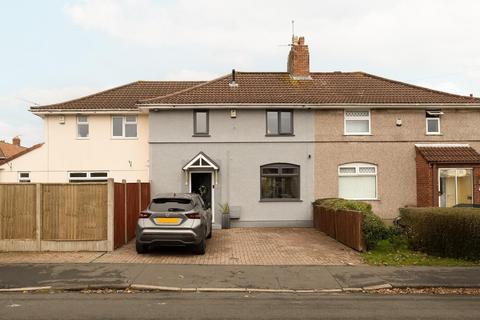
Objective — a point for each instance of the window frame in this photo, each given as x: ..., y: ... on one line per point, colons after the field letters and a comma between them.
x: 428, y: 133
x: 22, y: 179
x: 83, y: 123
x: 357, y: 173
x: 280, y: 166
x: 207, y: 125
x: 124, y: 123
x: 88, y: 177
x: 279, y: 121
x: 369, y: 118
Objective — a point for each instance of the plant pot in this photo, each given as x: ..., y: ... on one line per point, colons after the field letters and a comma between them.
x: 225, y: 221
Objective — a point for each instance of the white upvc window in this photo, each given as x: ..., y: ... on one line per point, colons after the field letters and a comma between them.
x: 357, y: 181
x: 88, y: 176
x: 357, y: 122
x: 82, y: 127
x: 124, y: 127
x: 24, y: 177
x: 432, y: 122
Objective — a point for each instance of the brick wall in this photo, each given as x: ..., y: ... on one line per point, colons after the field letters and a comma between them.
x: 425, y: 183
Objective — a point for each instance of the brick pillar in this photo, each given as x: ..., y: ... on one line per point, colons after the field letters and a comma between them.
x: 424, y: 182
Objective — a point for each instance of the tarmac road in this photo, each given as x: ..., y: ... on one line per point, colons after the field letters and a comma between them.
x: 67, y: 306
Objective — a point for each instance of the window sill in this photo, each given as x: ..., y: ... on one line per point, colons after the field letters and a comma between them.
x: 357, y: 134
x: 434, y: 134
x: 201, y: 135
x: 280, y: 200
x: 81, y: 138
x: 124, y: 138
x: 280, y: 135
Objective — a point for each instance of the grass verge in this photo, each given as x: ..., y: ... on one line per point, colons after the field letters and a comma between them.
x: 386, y: 254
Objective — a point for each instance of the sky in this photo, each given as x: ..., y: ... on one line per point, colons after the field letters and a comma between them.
x: 55, y: 50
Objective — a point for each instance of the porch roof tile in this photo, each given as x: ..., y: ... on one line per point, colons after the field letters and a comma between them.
x: 449, y: 153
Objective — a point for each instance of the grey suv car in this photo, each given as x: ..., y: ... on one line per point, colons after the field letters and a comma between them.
x: 176, y: 219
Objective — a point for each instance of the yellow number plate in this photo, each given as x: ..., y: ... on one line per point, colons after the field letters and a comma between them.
x: 167, y: 220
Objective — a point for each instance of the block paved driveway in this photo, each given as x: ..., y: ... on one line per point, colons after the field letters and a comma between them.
x: 238, y: 246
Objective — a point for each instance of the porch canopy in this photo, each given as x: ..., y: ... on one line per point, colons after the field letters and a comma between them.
x: 448, y: 153
x: 201, y: 162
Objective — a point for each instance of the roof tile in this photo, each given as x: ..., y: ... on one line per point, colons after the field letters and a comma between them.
x: 449, y: 154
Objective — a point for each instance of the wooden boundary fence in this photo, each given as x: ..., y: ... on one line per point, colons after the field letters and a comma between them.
x: 343, y: 225
x: 69, y: 217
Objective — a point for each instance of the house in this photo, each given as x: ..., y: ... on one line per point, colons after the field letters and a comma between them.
x: 269, y: 143
x: 8, y: 150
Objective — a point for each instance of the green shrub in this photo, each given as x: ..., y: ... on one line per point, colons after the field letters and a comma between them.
x: 373, y: 227
x: 444, y: 232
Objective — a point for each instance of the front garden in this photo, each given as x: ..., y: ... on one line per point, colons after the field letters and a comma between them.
x: 422, y: 236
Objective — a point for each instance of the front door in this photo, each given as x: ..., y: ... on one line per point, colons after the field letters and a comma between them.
x: 455, y: 187
x: 201, y: 183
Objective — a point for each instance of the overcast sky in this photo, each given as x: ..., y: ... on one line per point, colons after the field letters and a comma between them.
x: 53, y: 50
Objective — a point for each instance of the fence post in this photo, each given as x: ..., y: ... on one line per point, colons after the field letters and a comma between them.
x: 125, y: 216
x: 110, y: 214
x: 38, y: 215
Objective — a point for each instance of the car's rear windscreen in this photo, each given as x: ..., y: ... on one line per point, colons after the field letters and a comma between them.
x: 171, y: 205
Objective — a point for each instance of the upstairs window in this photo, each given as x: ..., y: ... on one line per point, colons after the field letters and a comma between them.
x: 124, y: 126
x: 82, y: 127
x: 357, y: 122
x: 200, y: 123
x: 280, y: 182
x: 96, y: 176
x: 24, y: 177
x: 279, y: 123
x: 432, y: 123
x: 357, y: 181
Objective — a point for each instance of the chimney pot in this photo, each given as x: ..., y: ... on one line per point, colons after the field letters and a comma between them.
x: 16, y: 141
x: 298, y: 65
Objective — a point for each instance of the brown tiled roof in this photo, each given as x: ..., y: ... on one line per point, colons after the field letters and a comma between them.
x: 123, y: 97
x: 2, y: 156
x: 19, y: 154
x: 8, y: 149
x: 449, y: 153
x: 324, y: 88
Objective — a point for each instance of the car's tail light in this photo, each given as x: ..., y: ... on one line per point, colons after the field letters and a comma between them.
x: 193, y: 215
x: 144, y: 214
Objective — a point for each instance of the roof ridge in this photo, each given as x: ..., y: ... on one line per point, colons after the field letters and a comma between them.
x: 87, y: 96
x: 416, y: 86
x: 21, y: 153
x: 186, y: 90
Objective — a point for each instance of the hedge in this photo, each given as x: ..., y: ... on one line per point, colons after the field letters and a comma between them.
x: 444, y: 232
x: 373, y: 227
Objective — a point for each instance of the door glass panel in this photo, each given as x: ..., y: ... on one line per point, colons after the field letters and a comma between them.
x: 455, y: 187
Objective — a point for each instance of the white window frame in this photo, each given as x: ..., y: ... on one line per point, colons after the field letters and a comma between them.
x: 83, y: 123
x: 357, y: 166
x: 124, y: 122
x: 88, y: 176
x: 22, y: 179
x: 369, y: 118
x: 439, y: 132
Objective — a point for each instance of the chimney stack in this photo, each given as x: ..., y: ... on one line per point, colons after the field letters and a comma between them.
x: 16, y: 141
x: 299, y: 60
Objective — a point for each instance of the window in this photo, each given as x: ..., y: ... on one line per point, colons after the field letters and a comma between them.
x: 82, y: 127
x: 432, y: 119
x: 280, y: 182
x: 200, y: 123
x: 279, y: 123
x: 357, y: 122
x: 124, y: 126
x: 24, y: 177
x: 96, y: 176
x: 357, y: 181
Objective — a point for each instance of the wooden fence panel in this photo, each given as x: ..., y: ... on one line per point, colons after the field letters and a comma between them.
x: 343, y: 225
x: 18, y: 211
x: 74, y: 212
x: 145, y: 195
x: 133, y: 208
x: 119, y: 215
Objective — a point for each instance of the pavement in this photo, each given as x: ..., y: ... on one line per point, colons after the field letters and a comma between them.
x: 302, y: 279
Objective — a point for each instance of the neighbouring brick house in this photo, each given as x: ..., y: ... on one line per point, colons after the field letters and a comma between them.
x: 269, y: 143
x: 8, y: 150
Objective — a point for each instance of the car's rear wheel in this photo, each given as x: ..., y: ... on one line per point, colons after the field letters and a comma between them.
x: 201, y: 247
x: 141, y: 248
